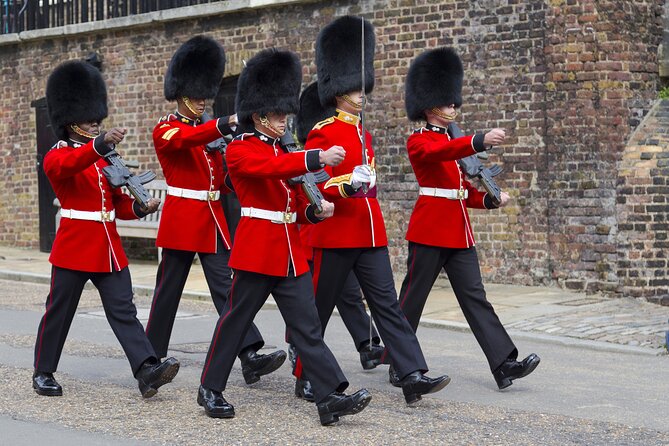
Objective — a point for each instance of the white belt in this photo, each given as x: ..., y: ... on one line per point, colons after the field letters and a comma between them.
x: 88, y: 215
x: 273, y: 216
x: 451, y: 194
x: 202, y: 195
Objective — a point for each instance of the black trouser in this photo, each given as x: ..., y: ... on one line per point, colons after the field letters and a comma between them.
x: 294, y: 297
x: 372, y: 269
x: 170, y: 281
x: 352, y: 312
x: 61, y: 305
x: 462, y: 267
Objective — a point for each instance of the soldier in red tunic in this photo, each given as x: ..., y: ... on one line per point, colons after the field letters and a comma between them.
x: 193, y: 221
x: 87, y: 246
x: 439, y: 234
x: 350, y: 306
x: 267, y: 255
x: 354, y: 239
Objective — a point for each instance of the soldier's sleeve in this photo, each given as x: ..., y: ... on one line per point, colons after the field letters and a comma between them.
x: 306, y: 212
x: 339, y: 185
x: 476, y: 198
x: 169, y: 137
x: 422, y: 148
x: 242, y: 160
x: 126, y: 206
x: 66, y: 162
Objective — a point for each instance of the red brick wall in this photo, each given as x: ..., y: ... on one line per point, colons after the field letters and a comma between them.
x: 568, y: 80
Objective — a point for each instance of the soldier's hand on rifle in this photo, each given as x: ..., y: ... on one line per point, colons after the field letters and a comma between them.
x: 332, y: 156
x: 494, y: 137
x: 362, y: 174
x: 328, y: 209
x: 152, y: 206
x: 505, y: 199
x: 115, y: 135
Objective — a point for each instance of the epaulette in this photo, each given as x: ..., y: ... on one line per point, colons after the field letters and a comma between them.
x: 167, y: 117
x: 323, y: 123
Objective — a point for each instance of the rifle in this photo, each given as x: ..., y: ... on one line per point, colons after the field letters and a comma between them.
x: 307, y: 180
x: 475, y: 169
x: 119, y: 175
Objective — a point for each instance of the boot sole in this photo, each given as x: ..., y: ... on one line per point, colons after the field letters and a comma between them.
x: 331, y: 418
x: 506, y: 382
x: 253, y: 376
x: 414, y: 398
x: 44, y: 392
x: 166, y: 377
x: 213, y: 414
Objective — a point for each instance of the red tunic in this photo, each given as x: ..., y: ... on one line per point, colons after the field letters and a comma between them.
x: 259, y: 171
x: 441, y: 221
x: 83, y: 245
x: 188, y: 224
x: 357, y: 221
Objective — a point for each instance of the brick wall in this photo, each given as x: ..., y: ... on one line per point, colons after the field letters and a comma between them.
x: 568, y: 80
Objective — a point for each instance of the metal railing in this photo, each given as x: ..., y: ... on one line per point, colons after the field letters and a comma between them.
x: 24, y: 15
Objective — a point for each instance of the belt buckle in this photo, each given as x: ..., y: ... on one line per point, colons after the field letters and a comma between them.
x: 105, y: 215
x: 212, y: 195
x: 461, y: 194
x: 287, y: 217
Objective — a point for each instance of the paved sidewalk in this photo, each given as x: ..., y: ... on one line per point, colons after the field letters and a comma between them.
x: 544, y: 313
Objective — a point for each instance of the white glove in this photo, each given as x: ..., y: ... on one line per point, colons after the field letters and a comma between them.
x: 362, y: 175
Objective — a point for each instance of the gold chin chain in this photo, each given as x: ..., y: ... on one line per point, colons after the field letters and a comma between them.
x: 265, y: 122
x: 443, y: 115
x: 189, y: 106
x: 79, y: 131
x: 351, y: 102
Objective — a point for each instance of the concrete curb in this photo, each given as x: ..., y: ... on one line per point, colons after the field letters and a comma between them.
x: 147, y: 291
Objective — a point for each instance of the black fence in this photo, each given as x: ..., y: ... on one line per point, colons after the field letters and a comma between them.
x: 23, y: 15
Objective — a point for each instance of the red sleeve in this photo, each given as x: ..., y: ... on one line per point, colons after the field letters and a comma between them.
x: 123, y: 204
x: 475, y: 197
x: 333, y: 189
x: 243, y: 161
x: 169, y: 137
x: 424, y: 149
x: 68, y: 161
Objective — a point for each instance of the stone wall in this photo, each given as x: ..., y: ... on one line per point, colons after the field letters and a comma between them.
x: 569, y: 80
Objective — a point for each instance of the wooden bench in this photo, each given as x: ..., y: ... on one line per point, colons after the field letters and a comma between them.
x: 146, y: 227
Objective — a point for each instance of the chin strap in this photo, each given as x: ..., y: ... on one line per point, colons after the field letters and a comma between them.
x: 79, y: 131
x: 443, y: 115
x: 189, y: 106
x: 265, y: 123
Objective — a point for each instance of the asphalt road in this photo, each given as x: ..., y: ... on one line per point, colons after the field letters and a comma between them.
x: 576, y: 395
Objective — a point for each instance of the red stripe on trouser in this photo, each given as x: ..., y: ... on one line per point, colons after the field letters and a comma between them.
x: 41, y: 335
x: 218, y: 332
x: 318, y: 258
x: 158, y: 288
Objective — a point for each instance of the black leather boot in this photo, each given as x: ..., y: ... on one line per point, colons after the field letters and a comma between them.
x: 303, y: 390
x: 255, y: 365
x: 154, y: 374
x: 214, y: 404
x: 45, y: 384
x: 338, y: 404
x: 370, y: 355
x: 415, y: 384
x: 393, y: 378
x: 512, y: 369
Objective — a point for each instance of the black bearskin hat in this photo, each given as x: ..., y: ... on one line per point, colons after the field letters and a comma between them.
x: 434, y: 79
x: 270, y: 82
x: 338, y: 58
x: 311, y: 112
x: 75, y: 92
x: 196, y: 69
